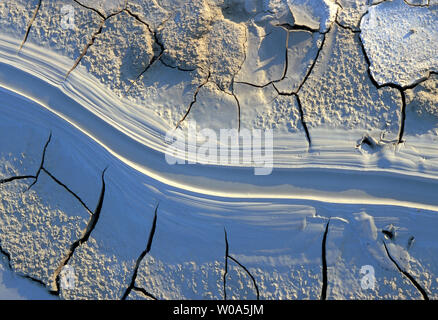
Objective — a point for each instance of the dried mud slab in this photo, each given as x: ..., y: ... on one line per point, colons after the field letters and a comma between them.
x: 422, y: 107
x: 340, y: 94
x: 303, y: 49
x: 227, y: 43
x: 120, y: 53
x: 317, y: 15
x: 104, y: 264
x: 351, y: 12
x: 104, y: 7
x: 263, y: 108
x: 184, y: 35
x: 174, y: 270
x: 265, y: 59
x: 344, y: 265
x: 214, y: 109
x: 406, y: 54
x: 424, y: 97
x: 169, y: 90
x: 50, y: 31
x: 149, y: 11
x: 38, y: 226
x: 16, y: 16
x: 21, y: 150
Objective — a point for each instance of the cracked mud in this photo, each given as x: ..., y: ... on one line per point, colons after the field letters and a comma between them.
x: 329, y: 76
